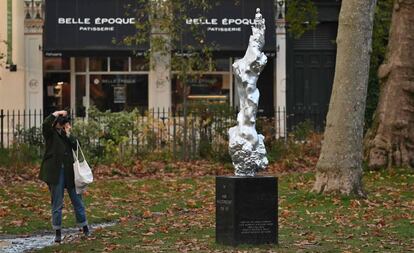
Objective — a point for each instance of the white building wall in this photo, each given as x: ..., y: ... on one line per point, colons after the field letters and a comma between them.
x: 280, y: 90
x: 12, y: 84
x: 34, y: 71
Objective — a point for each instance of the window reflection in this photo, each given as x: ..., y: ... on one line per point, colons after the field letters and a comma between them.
x: 119, y: 92
x: 80, y: 64
x: 98, y: 64
x: 119, y: 63
x: 212, y: 88
x: 57, y: 92
x: 80, y: 95
x: 139, y: 64
x: 56, y: 63
x: 221, y: 64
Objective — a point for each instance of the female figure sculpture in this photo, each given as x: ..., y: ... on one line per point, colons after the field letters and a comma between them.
x: 246, y: 146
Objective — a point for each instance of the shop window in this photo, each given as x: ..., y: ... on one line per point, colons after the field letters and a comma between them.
x: 139, y: 64
x: 80, y: 99
x: 98, y: 64
x: 80, y: 64
x: 221, y: 64
x: 190, y: 63
x: 119, y: 63
x: 56, y: 63
x: 211, y: 88
x: 119, y: 92
x: 57, y: 92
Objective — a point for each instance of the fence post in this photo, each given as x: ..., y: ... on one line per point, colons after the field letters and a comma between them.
x: 13, y: 125
x: 285, y: 124
x: 193, y: 155
x: 34, y: 117
x: 185, y: 149
x: 174, y: 134
x: 40, y: 117
x: 1, y: 127
x: 8, y: 128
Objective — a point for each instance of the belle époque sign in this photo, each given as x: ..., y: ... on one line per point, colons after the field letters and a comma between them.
x: 227, y: 24
x: 88, y: 26
x: 76, y: 26
x: 96, y: 25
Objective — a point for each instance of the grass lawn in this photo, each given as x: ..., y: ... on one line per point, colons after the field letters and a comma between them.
x: 177, y: 215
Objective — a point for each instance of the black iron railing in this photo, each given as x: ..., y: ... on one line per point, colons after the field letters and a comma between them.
x: 183, y: 134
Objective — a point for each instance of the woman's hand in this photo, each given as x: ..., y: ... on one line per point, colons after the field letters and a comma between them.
x: 67, y: 127
x: 62, y: 113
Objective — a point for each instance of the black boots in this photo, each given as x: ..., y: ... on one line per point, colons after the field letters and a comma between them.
x: 58, y: 237
x: 85, y: 230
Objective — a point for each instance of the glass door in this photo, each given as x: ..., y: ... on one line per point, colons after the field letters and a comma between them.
x: 57, y: 92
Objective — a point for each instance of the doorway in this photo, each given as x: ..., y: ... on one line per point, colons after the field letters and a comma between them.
x: 311, y: 68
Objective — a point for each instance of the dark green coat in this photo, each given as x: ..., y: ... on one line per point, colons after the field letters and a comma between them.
x: 58, y: 152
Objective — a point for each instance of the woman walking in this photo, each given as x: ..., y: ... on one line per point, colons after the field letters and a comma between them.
x: 57, y: 170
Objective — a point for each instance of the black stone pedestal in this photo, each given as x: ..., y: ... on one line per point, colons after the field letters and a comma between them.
x: 246, y: 210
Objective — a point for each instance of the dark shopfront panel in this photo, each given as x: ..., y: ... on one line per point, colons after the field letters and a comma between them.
x: 82, y: 27
x: 311, y: 69
x: 118, y: 92
x: 91, y: 27
x: 226, y: 26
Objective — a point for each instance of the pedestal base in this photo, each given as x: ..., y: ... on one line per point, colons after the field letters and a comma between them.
x: 246, y: 210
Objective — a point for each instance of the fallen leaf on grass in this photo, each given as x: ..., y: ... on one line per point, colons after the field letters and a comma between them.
x: 355, y: 203
x: 17, y: 223
x: 3, y: 212
x: 306, y: 243
x: 191, y: 203
x: 111, y: 247
x: 123, y: 219
x: 147, y: 214
x: 285, y: 213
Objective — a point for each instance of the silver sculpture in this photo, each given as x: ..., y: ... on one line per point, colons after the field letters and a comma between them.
x: 246, y: 146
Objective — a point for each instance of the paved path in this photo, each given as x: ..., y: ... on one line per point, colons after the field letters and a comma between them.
x: 16, y: 244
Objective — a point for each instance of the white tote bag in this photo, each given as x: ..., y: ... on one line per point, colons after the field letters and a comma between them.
x: 82, y: 171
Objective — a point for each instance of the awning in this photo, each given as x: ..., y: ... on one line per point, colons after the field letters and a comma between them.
x: 99, y: 27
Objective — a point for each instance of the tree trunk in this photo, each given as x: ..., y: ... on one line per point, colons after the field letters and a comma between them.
x: 390, y: 141
x: 339, y: 168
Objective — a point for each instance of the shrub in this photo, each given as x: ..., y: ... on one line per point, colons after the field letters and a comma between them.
x: 19, y: 155
x: 26, y: 149
x: 303, y: 130
x: 105, y: 136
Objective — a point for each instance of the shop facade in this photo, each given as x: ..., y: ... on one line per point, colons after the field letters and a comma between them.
x: 68, y: 56
x: 84, y: 66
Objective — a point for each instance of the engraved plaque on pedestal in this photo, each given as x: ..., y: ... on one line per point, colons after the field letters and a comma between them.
x: 246, y: 210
